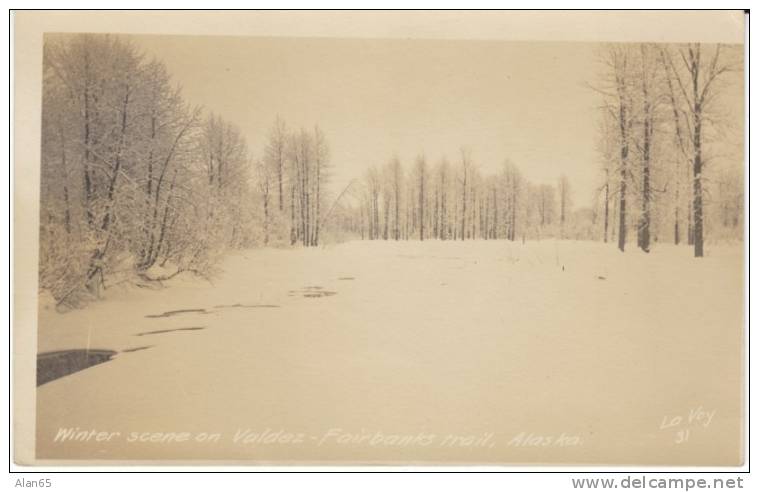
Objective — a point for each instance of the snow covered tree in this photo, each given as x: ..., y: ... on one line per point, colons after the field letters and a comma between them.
x: 617, y: 88
x: 697, y: 71
x: 134, y: 177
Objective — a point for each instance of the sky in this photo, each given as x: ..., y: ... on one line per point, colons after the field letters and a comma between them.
x: 525, y: 102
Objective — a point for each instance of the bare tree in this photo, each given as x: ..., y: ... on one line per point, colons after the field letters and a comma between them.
x: 275, y: 155
x: 421, y: 170
x: 466, y: 165
x: 443, y: 173
x: 321, y: 159
x: 697, y: 71
x: 650, y: 95
x: 374, y: 185
x: 618, y: 93
x: 396, y: 172
x: 264, y: 183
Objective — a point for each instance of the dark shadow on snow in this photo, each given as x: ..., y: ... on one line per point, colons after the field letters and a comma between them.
x: 319, y: 293
x: 55, y: 365
x: 178, y: 311
x: 246, y: 306
x: 312, y: 291
x: 158, y: 332
x: 137, y: 349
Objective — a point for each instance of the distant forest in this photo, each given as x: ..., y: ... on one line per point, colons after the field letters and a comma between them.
x: 139, y: 183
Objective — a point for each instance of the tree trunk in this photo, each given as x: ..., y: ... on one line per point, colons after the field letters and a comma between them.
x: 280, y: 165
x: 293, y: 237
x: 644, y: 230
x: 606, y: 208
x: 396, y: 200
x: 463, y: 207
x: 64, y: 178
x: 421, y: 205
x: 698, y: 204
x: 622, y: 236
x: 495, y: 213
x: 266, y: 214
x: 318, y: 200
x: 386, y: 228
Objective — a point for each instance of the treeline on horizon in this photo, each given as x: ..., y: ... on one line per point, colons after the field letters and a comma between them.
x: 139, y: 183
x: 455, y: 201
x: 661, y: 179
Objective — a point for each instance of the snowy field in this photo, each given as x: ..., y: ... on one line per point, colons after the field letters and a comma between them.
x: 555, y: 351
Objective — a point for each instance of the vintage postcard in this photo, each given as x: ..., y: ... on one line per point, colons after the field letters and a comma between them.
x: 457, y: 243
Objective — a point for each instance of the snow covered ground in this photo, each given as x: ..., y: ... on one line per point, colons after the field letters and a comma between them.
x: 486, y: 351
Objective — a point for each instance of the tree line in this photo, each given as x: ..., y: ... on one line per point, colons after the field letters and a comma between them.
x: 292, y: 178
x: 136, y: 181
x: 454, y: 200
x: 664, y: 175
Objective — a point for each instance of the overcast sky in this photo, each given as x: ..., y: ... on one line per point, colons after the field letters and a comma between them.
x: 526, y: 102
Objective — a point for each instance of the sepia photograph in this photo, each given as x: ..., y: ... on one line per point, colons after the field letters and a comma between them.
x: 401, y: 250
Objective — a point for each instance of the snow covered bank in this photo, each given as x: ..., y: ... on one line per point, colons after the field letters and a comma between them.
x: 451, y: 339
